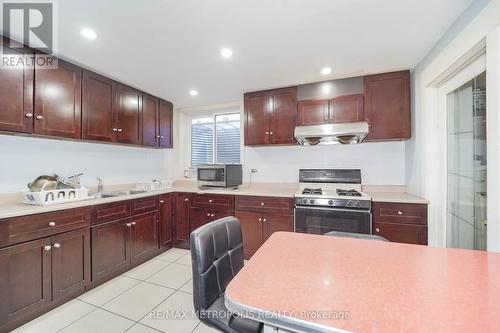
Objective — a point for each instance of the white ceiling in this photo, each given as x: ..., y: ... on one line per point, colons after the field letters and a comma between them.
x: 167, y: 47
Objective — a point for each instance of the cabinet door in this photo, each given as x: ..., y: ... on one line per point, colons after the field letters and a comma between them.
x: 346, y: 109
x: 144, y: 236
x: 16, y: 94
x: 312, y: 112
x: 198, y: 217
x: 283, y: 116
x: 401, y: 233
x: 25, y: 279
x: 110, y: 248
x: 275, y: 222
x: 251, y: 228
x: 257, y: 109
x: 150, y: 130
x: 70, y: 263
x: 98, y: 107
x: 166, y: 220
x: 387, y: 105
x: 128, y: 115
x: 182, y: 219
x: 165, y: 124
x: 58, y: 101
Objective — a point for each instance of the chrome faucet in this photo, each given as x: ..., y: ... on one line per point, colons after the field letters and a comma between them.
x: 100, y: 185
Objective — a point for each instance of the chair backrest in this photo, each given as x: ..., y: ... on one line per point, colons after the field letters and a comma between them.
x: 217, y: 256
x: 355, y: 235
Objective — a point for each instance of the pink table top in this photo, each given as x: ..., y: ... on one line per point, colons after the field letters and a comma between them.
x: 319, y: 283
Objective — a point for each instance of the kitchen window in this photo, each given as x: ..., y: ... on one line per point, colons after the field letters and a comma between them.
x: 215, y: 139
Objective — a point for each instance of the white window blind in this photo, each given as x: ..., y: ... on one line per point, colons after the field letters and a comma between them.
x: 215, y: 139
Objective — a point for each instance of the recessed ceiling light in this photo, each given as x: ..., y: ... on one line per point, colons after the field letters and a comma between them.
x: 193, y: 92
x: 226, y: 53
x: 326, y: 70
x: 89, y: 33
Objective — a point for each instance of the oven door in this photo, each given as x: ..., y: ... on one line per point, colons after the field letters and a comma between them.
x: 318, y: 220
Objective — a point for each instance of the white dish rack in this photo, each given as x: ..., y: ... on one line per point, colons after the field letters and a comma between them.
x: 52, y: 197
x: 153, y: 185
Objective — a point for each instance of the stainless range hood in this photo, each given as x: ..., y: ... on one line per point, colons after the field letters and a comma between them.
x: 327, y: 134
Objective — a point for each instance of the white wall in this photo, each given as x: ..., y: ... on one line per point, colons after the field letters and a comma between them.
x: 24, y: 158
x: 381, y: 163
x: 480, y: 21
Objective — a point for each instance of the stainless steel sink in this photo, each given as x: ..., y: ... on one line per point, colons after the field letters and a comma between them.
x: 116, y: 194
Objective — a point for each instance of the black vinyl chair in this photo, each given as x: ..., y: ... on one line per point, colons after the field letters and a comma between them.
x: 354, y: 235
x: 217, y: 256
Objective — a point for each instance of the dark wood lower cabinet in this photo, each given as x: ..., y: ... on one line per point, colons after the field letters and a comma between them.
x: 275, y: 222
x: 181, y: 234
x: 401, y: 233
x: 251, y: 228
x: 110, y: 248
x: 70, y: 263
x: 144, y: 238
x: 166, y: 224
x: 25, y: 280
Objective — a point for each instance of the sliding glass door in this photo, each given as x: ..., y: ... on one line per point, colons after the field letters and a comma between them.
x: 466, y: 167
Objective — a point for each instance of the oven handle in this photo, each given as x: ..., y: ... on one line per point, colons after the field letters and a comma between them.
x: 364, y: 211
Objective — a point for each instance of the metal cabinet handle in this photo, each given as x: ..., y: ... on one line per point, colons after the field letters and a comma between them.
x: 161, y: 136
x: 271, y: 133
x: 260, y: 219
x: 267, y: 133
x: 29, y: 115
x: 212, y: 215
x: 56, y: 245
x: 52, y: 224
x: 210, y: 201
x: 47, y: 247
x: 262, y: 204
x: 128, y: 224
x: 119, y: 129
x: 208, y: 214
x: 157, y: 136
x: 115, y: 129
x: 161, y: 201
x: 186, y: 199
x: 400, y: 212
x: 133, y: 223
x: 264, y: 220
x: 377, y: 229
x: 39, y: 117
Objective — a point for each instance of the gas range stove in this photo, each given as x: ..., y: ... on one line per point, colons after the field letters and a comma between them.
x: 331, y: 188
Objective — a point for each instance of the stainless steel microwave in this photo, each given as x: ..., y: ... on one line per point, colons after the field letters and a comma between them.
x: 219, y: 175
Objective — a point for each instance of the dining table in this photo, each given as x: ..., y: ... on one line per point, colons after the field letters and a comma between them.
x: 312, y: 283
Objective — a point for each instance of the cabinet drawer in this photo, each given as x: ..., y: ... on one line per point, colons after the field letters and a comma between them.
x: 215, y: 201
x: 26, y: 228
x: 400, y: 213
x: 277, y: 205
x: 144, y: 205
x: 111, y: 211
x: 401, y: 233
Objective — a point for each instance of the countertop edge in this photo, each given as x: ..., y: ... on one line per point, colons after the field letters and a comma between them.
x: 284, y: 322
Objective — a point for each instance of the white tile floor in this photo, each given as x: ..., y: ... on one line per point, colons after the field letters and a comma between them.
x: 125, y: 304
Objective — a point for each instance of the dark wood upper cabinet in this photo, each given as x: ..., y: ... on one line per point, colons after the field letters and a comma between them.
x: 388, y: 105
x: 98, y: 107
x: 257, y: 109
x: 58, y: 100
x: 150, y: 121
x: 165, y: 123
x: 166, y: 219
x: 16, y: 93
x: 342, y: 109
x: 312, y: 112
x: 283, y: 116
x: 346, y: 109
x: 25, y: 276
x: 70, y: 263
x: 129, y: 115
x: 270, y: 116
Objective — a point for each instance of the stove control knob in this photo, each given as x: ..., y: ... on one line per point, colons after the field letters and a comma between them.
x: 304, y: 201
x: 349, y: 203
x: 330, y: 202
x: 311, y: 201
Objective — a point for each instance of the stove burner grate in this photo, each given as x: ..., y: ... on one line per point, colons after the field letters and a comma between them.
x: 348, y: 193
x: 313, y: 191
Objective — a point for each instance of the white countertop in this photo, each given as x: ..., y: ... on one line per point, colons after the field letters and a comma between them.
x: 12, y: 205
